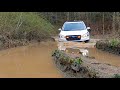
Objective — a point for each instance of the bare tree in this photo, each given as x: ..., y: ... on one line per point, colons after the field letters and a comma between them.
x: 68, y: 17
x: 113, y: 23
x: 103, y: 24
x: 100, y: 22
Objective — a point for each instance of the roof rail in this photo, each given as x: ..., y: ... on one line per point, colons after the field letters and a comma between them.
x: 78, y: 20
x: 74, y: 21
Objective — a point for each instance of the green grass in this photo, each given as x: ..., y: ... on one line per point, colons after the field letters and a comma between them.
x: 20, y: 25
x: 114, y: 42
x: 65, y: 58
x: 116, y: 76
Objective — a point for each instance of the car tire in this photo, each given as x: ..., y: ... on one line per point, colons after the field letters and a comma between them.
x: 87, y: 41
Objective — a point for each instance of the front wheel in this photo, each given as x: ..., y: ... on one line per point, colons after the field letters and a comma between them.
x: 87, y: 41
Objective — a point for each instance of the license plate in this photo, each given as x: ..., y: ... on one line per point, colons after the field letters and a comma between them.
x: 73, y: 36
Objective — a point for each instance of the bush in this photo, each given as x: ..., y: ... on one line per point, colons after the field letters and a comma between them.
x: 116, y: 76
x: 64, y: 58
x: 114, y: 42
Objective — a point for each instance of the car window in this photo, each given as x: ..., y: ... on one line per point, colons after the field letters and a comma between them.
x: 73, y: 26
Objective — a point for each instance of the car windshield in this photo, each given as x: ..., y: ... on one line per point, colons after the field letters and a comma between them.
x: 73, y: 26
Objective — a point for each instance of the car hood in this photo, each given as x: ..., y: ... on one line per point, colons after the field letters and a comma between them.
x: 73, y: 32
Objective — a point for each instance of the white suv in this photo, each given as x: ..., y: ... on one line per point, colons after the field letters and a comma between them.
x: 74, y: 31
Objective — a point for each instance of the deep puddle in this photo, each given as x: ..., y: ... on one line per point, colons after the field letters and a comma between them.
x: 85, y: 50
x: 105, y: 57
x: 33, y: 61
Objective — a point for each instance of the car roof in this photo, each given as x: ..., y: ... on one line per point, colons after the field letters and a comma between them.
x: 74, y: 21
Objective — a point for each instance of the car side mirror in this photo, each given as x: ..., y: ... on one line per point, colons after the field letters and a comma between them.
x: 88, y: 28
x: 59, y: 29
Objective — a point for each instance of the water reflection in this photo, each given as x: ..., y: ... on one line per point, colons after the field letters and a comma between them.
x: 93, y: 53
x: 69, y: 47
x: 32, y: 61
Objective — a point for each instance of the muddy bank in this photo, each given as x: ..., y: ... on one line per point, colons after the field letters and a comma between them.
x: 6, y: 42
x: 109, y: 46
x: 72, y: 65
x: 88, y: 68
x: 102, y: 70
x: 19, y: 28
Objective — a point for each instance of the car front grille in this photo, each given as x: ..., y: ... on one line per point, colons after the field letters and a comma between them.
x: 72, y: 37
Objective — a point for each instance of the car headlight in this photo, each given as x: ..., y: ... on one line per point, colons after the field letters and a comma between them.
x: 85, y: 35
x: 62, y: 36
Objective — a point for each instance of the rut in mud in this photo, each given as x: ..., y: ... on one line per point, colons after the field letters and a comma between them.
x: 90, y: 50
x: 35, y: 61
x: 102, y: 63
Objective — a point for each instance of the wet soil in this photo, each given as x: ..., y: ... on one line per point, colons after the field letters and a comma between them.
x: 105, y: 45
x: 102, y: 64
x: 35, y: 61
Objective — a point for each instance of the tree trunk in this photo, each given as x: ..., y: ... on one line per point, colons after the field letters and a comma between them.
x: 68, y: 16
x: 113, y: 23
x: 103, y: 24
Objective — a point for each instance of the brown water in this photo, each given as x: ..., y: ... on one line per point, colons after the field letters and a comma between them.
x: 105, y: 57
x: 33, y: 61
x: 90, y: 50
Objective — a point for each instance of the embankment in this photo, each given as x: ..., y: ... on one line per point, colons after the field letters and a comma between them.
x: 71, y: 65
x: 21, y: 28
x: 112, y: 46
x: 77, y: 66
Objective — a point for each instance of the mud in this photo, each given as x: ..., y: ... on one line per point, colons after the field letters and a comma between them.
x: 89, y: 68
x: 72, y: 69
x: 102, y: 64
x: 35, y: 61
x: 89, y: 51
x: 105, y: 45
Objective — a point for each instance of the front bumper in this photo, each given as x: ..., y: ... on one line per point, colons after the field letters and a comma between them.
x: 81, y: 39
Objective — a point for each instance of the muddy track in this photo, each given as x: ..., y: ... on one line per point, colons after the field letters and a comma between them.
x: 97, y: 61
x: 89, y: 68
x: 91, y: 44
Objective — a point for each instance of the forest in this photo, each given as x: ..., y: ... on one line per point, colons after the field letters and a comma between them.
x: 101, y: 23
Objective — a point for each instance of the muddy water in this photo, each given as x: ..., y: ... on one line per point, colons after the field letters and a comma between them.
x: 105, y: 57
x: 33, y: 61
x: 88, y: 49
